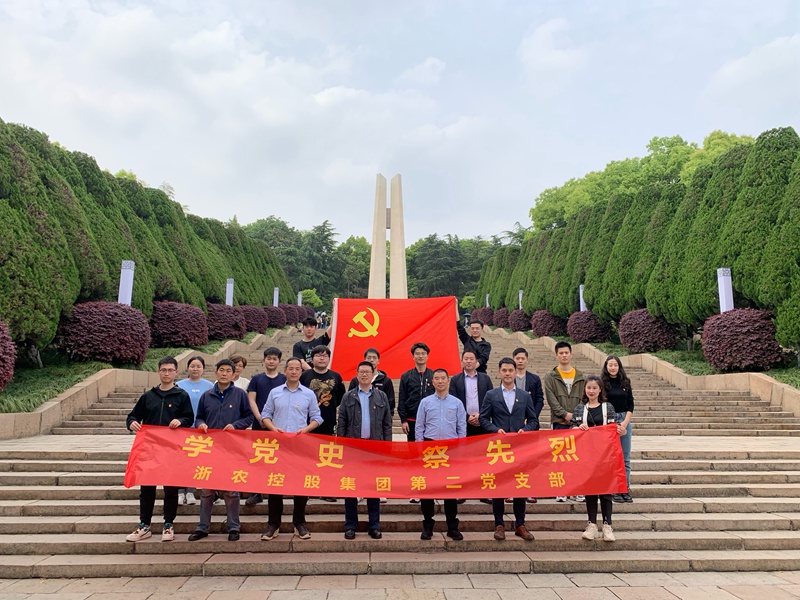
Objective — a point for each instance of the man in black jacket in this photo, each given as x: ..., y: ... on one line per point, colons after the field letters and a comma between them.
x: 470, y: 386
x: 415, y: 384
x: 507, y: 409
x: 474, y: 341
x: 166, y: 405
x: 527, y: 381
x: 380, y: 380
x: 364, y: 414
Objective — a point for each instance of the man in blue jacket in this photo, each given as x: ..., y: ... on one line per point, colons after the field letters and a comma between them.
x: 507, y: 409
x: 225, y: 407
x: 169, y: 406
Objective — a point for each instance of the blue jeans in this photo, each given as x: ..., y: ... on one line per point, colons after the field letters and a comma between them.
x: 231, y: 508
x: 351, y: 513
x: 625, y: 440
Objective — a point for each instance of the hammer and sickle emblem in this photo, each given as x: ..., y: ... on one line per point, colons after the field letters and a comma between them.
x: 370, y: 329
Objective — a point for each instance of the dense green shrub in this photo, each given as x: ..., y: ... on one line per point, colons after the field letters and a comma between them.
x: 544, y: 323
x: 518, y: 320
x: 500, y: 317
x: 225, y: 322
x: 585, y: 326
x: 277, y: 318
x: 639, y: 331
x: 8, y: 353
x: 255, y: 318
x: 174, y: 324
x: 105, y: 331
x: 741, y: 339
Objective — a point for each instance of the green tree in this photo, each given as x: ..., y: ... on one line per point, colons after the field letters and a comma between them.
x: 355, y: 254
x: 311, y: 298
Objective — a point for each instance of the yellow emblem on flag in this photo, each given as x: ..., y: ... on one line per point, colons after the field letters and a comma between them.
x: 370, y: 329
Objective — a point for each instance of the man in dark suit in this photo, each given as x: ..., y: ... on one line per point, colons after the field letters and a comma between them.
x: 507, y: 409
x: 470, y: 386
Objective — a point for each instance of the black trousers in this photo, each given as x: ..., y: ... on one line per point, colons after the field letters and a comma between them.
x: 498, y: 508
x: 605, y: 506
x: 450, y: 512
x: 412, y: 425
x: 147, y: 500
x: 275, y: 509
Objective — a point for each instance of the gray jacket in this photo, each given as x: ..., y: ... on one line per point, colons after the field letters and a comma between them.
x: 380, y: 416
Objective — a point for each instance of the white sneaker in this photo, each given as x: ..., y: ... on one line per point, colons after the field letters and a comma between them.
x: 168, y: 534
x: 181, y: 498
x: 561, y: 498
x: 142, y: 532
x: 608, y: 533
x: 580, y: 498
x: 190, y: 499
x: 591, y: 532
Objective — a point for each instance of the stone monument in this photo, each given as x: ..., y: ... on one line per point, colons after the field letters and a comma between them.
x: 390, y: 218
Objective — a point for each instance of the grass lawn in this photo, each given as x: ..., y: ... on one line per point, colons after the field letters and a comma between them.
x: 33, y: 387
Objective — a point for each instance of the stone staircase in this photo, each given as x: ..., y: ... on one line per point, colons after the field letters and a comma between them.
x: 701, y: 503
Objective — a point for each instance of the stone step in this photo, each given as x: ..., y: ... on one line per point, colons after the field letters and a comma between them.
x: 90, y: 431
x: 432, y: 562
x: 719, y: 424
x: 106, y: 466
x: 401, y: 542
x: 721, y: 432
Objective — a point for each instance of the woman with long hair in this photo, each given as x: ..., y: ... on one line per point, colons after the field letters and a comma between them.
x: 194, y: 385
x: 594, y: 411
x: 618, y: 390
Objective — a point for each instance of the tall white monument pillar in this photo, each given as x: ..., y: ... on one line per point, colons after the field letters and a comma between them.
x: 580, y: 298
x: 398, y: 278
x: 392, y: 219
x: 229, y: 292
x: 125, y: 294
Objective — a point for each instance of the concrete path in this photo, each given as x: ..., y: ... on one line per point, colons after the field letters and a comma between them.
x: 585, y: 586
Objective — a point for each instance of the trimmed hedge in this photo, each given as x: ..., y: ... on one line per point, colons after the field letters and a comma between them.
x: 292, y: 315
x: 544, y: 323
x: 105, y: 331
x: 740, y: 340
x: 173, y: 324
x: 585, y: 326
x: 8, y: 353
x: 225, y: 322
x: 485, y: 314
x: 500, y: 317
x: 277, y: 318
x: 518, y: 320
x: 255, y: 318
x: 310, y: 312
x: 639, y: 331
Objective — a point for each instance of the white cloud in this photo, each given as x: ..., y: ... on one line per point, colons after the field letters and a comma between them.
x: 548, y: 59
x: 428, y: 72
x: 763, y: 82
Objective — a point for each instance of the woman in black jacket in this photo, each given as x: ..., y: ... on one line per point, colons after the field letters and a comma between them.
x: 619, y: 393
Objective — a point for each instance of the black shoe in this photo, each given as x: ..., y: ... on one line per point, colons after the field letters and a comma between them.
x: 617, y: 498
x: 254, y: 499
x: 375, y: 534
x: 486, y: 501
x: 302, y: 531
x: 233, y: 536
x: 460, y: 501
x: 270, y: 533
x: 455, y: 534
x: 414, y: 501
x: 350, y: 534
x: 627, y: 497
x: 426, y: 534
x: 328, y: 499
x: 197, y: 535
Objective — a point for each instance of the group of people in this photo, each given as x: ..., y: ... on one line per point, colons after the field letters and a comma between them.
x: 308, y: 396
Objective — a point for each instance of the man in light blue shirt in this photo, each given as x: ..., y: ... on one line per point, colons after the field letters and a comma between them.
x: 440, y: 416
x: 290, y: 408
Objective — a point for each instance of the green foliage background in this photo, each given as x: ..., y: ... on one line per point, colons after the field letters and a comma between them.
x: 651, y: 233
x: 66, y: 226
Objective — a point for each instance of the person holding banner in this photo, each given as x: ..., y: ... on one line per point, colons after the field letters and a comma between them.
x: 364, y: 414
x: 441, y: 416
x: 508, y: 409
x: 594, y: 411
x: 290, y: 408
x: 302, y: 349
x: 167, y: 405
x: 226, y: 407
x: 474, y: 341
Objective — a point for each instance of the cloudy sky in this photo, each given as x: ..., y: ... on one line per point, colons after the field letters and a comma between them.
x: 290, y: 108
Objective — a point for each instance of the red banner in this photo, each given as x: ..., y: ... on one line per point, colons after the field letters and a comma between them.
x: 538, y: 463
x: 393, y: 326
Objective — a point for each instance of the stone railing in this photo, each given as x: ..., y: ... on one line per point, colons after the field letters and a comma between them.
x: 81, y: 395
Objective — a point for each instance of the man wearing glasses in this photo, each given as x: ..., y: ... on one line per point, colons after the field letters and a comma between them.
x: 166, y: 405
